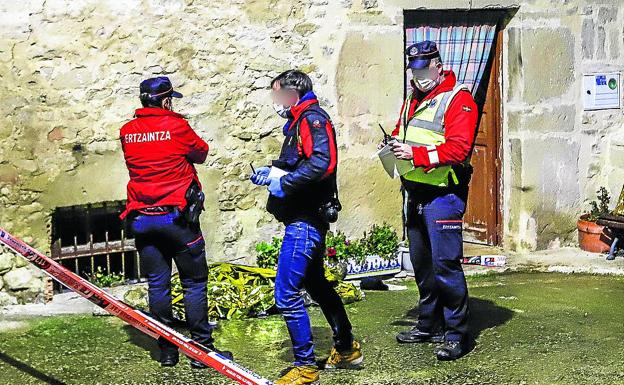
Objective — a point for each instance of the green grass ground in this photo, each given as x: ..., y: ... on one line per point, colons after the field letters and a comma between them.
x: 530, y: 329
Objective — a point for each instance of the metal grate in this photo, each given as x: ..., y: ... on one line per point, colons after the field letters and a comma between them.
x: 89, y: 236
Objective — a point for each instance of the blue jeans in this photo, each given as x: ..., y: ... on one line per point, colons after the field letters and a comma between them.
x: 159, y: 240
x: 300, y: 266
x: 434, y: 229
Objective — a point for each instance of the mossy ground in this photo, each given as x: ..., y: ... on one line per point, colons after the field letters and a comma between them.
x: 530, y: 328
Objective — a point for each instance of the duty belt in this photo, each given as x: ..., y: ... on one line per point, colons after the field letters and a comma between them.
x: 156, y: 210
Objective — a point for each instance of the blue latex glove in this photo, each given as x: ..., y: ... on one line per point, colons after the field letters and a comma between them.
x: 275, y: 187
x: 260, y: 177
x: 264, y: 170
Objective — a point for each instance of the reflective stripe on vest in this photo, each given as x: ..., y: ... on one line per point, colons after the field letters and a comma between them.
x: 426, y: 128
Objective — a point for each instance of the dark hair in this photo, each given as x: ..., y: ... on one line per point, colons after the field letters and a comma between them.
x: 294, y: 80
x: 151, y: 101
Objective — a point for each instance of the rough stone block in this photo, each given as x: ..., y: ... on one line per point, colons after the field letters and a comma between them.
x: 6, y: 299
x: 548, y: 62
x: 551, y: 169
x: 369, y: 77
x: 601, y: 43
x: 587, y: 38
x: 514, y: 69
x: 21, y: 278
x: 6, y: 262
x: 561, y: 119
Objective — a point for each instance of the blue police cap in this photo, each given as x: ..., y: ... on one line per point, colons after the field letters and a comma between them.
x: 419, y: 55
x: 158, y: 87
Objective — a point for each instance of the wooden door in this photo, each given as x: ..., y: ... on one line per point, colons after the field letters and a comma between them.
x: 482, y: 222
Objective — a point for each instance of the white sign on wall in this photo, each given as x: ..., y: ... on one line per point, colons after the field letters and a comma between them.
x: 601, y: 91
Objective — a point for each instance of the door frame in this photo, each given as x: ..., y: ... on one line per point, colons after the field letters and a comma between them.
x: 497, y: 233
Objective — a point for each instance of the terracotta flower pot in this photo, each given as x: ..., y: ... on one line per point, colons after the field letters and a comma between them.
x: 591, y: 236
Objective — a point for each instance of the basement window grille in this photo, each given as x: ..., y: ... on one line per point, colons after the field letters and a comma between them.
x: 88, y: 237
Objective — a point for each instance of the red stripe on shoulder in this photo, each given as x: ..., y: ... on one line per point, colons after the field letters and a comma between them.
x: 305, y: 138
x: 333, y: 151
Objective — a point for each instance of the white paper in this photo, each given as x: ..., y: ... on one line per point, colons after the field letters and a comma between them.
x: 388, y: 160
x: 394, y: 167
x: 276, y: 172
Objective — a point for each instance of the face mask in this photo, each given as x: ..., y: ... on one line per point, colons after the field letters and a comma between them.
x: 426, y: 84
x: 281, y: 110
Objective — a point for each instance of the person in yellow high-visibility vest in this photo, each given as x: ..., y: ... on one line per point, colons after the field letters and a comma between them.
x: 436, y: 131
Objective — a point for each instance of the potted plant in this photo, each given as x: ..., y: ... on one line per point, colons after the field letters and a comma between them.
x: 591, y: 235
x: 377, y: 252
x: 374, y: 254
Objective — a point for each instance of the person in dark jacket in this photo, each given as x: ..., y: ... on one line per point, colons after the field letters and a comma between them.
x: 164, y: 202
x: 303, y: 195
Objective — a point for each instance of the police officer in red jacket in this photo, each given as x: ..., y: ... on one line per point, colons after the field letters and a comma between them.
x: 436, y: 133
x: 164, y: 202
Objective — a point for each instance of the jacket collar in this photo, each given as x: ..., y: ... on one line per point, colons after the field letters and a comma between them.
x: 295, y: 111
x: 306, y: 101
x: 154, y: 111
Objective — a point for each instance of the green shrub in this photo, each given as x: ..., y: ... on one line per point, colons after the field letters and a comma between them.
x: 267, y: 253
x: 348, y: 292
x: 601, y: 206
x: 381, y: 241
x: 336, y: 247
x: 103, y: 279
x: 234, y: 291
x: 356, y: 250
x: 237, y: 291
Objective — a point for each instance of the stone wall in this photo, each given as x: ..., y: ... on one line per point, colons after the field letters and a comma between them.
x: 557, y: 155
x: 20, y: 282
x: 70, y: 72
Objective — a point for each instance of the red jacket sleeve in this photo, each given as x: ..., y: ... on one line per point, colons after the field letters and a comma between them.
x: 460, y: 122
x: 196, y: 147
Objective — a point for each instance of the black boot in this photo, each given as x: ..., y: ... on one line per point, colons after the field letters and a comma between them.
x: 226, y: 354
x: 169, y: 357
x: 416, y: 335
x: 451, y: 350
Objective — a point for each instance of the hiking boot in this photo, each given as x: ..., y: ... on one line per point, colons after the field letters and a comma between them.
x: 300, y: 375
x: 350, y: 359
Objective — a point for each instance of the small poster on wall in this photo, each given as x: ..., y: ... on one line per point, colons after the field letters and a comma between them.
x: 601, y: 91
